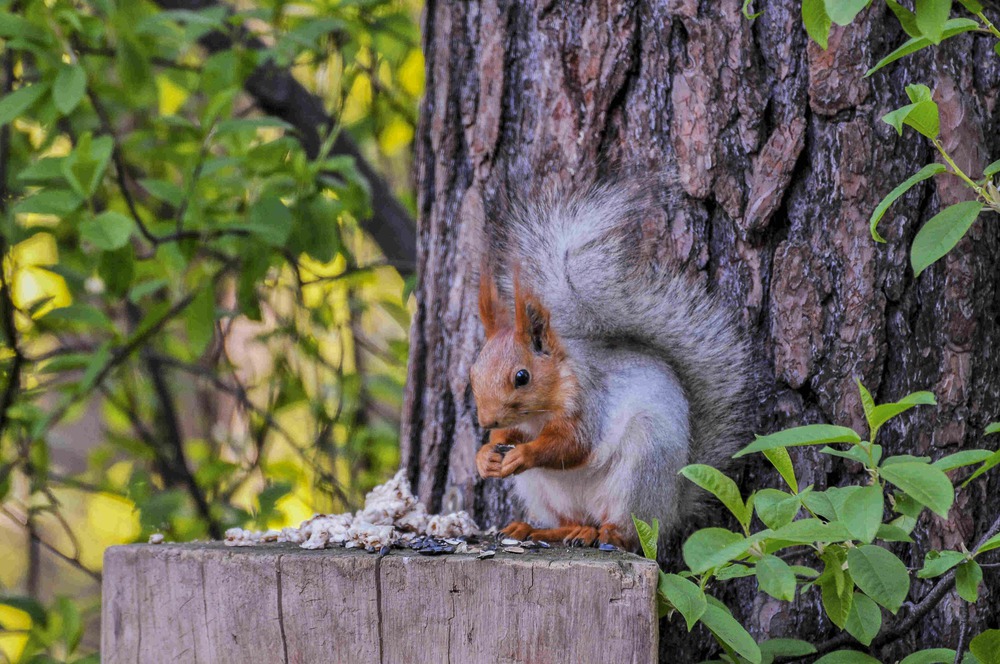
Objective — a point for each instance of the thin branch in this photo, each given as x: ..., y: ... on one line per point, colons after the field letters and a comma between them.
x: 963, y: 627
x: 35, y: 538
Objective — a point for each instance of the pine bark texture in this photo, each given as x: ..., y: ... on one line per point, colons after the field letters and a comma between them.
x: 780, y: 155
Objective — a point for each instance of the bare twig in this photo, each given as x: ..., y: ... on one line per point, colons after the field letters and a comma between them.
x: 75, y: 562
x: 963, y: 627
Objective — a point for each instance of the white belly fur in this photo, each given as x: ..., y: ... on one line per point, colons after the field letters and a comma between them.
x: 644, y: 427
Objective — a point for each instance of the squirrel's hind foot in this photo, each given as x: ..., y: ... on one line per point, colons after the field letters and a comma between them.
x: 518, y: 530
x: 609, y: 533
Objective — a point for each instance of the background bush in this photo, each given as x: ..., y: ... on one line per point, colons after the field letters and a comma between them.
x: 196, y: 334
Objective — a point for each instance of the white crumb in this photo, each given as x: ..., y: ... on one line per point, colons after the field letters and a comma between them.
x: 391, y: 515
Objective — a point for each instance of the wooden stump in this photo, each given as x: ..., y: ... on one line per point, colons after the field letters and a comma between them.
x: 279, y: 603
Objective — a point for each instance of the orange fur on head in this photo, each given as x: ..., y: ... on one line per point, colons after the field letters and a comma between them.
x: 530, y: 345
x: 491, y: 312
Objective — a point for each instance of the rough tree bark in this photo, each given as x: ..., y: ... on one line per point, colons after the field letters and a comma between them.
x: 781, y: 156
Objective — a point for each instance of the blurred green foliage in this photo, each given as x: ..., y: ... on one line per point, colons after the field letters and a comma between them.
x: 196, y: 335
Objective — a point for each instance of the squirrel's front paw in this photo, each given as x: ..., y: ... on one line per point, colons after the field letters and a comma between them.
x: 488, y: 461
x: 516, y: 461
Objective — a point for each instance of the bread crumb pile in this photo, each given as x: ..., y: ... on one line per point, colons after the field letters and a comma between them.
x: 392, y: 516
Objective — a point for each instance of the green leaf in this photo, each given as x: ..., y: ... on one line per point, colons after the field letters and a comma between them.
x: 17, y: 102
x: 163, y: 190
x: 924, y: 483
x: 906, y: 458
x: 733, y: 571
x: 992, y: 427
x: 84, y: 167
x: 782, y: 462
x: 720, y: 486
x: 856, y: 453
x: 986, y: 647
x: 812, y: 434
x: 776, y: 508
x: 807, y: 531
x: 890, y: 533
x: 864, y: 620
x: 960, y: 459
x: 968, y: 576
x: 13, y: 26
x: 69, y: 88
x: 712, y: 547
x: 842, y: 12
x: 937, y: 563
x: 731, y: 633
x: 836, y: 586
x: 924, y: 173
x: 816, y: 21
x: 922, y: 114
x: 270, y: 220
x: 79, y: 313
x: 683, y: 595
x: 941, y: 233
x: 931, y: 18
x: 786, y: 648
x: 117, y: 269
x: 989, y: 545
x: 972, y: 5
x: 107, y: 231
x: 955, y: 26
x: 648, y: 536
x: 199, y: 319
x: 862, y: 512
x: 847, y: 657
x: 991, y: 461
x: 880, y: 575
x: 992, y: 169
x: 776, y: 578
x: 907, y: 19
x: 60, y: 202
x: 932, y: 656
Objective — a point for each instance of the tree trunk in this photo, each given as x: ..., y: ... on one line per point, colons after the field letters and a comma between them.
x: 781, y: 155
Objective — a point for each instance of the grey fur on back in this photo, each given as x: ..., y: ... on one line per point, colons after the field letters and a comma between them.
x: 581, y: 253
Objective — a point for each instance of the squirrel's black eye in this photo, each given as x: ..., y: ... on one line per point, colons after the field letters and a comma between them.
x: 521, y: 378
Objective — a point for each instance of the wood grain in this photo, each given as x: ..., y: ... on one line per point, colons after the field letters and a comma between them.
x: 212, y: 604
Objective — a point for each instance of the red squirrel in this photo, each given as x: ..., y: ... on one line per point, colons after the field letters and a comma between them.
x: 606, y: 373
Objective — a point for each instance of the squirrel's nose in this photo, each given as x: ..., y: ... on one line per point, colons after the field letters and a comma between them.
x: 487, y: 422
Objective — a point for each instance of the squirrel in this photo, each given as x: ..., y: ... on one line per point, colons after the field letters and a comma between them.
x: 602, y: 374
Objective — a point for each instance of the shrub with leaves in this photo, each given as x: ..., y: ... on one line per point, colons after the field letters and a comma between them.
x: 196, y: 332
x: 840, y: 543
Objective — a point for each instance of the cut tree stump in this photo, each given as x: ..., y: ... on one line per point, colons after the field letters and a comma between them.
x: 279, y: 603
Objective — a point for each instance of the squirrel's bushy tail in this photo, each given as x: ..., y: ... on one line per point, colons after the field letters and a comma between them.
x: 582, y: 254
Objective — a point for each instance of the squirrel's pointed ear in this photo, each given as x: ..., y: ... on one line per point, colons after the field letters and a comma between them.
x: 490, y: 311
x: 531, y: 320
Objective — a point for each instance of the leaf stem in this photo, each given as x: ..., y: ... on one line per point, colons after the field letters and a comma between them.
x: 956, y: 170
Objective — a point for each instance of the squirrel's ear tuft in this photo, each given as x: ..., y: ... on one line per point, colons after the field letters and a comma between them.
x: 490, y: 311
x: 531, y: 320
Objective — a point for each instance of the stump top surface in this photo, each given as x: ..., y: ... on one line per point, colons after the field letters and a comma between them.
x: 553, y: 555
